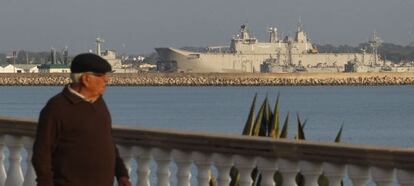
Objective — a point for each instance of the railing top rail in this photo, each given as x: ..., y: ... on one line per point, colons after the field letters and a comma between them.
x: 363, y: 155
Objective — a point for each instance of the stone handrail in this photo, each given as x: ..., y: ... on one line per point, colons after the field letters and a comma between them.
x: 382, y: 165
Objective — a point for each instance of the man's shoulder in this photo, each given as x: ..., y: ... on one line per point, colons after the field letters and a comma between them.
x: 54, y: 106
x: 57, y: 100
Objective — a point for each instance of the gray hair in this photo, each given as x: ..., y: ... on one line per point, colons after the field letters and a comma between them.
x: 76, y: 77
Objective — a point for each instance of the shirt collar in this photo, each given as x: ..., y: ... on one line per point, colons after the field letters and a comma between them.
x: 76, y: 93
x: 75, y: 97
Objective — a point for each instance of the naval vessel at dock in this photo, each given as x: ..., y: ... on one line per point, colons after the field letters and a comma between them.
x: 246, y: 54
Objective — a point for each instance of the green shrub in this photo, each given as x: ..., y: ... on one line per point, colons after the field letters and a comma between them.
x: 266, y: 123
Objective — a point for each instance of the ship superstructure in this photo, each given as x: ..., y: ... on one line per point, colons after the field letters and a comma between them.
x: 246, y: 54
x: 109, y: 55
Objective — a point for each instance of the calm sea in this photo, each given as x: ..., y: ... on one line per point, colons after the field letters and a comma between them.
x: 371, y: 115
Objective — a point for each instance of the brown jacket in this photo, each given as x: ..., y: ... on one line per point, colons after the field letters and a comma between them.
x: 73, y: 145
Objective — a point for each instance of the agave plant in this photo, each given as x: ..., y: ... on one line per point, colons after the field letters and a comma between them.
x: 266, y: 123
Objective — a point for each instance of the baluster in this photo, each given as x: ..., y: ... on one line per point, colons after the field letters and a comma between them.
x: 223, y: 164
x: 127, y: 155
x: 30, y: 177
x: 289, y: 169
x: 203, y: 162
x: 2, y: 168
x: 382, y: 177
x: 143, y: 168
x: 183, y: 161
x: 359, y: 175
x: 163, y: 159
x: 334, y: 173
x: 267, y: 167
x: 15, y: 174
x: 245, y: 165
x: 405, y: 178
x: 311, y: 172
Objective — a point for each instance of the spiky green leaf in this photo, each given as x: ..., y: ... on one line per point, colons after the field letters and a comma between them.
x: 258, y: 121
x: 300, y: 134
x: 265, y: 119
x: 274, y: 123
x: 247, y: 130
x: 284, y: 132
x: 338, y: 136
x: 304, y: 124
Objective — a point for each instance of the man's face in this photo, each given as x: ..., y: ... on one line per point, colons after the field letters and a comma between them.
x: 95, y: 83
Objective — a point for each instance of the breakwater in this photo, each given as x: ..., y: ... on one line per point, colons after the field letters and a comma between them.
x: 215, y: 79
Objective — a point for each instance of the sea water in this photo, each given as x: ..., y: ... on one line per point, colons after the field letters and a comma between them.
x: 382, y: 115
x: 379, y: 115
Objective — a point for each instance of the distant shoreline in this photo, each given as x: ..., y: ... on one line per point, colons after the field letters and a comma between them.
x: 221, y: 79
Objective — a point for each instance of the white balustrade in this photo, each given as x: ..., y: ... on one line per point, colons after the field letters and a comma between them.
x: 382, y: 177
x: 30, y: 177
x: 183, y: 160
x: 127, y: 155
x: 144, y: 171
x: 2, y: 168
x: 163, y: 159
x: 224, y: 163
x: 15, y: 174
x: 267, y: 169
x: 203, y: 161
x: 334, y: 173
x: 245, y: 165
x: 289, y: 169
x: 359, y: 175
x: 383, y: 166
x: 311, y: 172
x: 405, y: 178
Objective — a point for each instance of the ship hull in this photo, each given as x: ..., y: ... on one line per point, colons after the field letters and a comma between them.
x: 186, y: 61
x: 197, y: 62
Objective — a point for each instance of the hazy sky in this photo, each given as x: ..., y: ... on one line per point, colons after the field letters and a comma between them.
x: 137, y: 26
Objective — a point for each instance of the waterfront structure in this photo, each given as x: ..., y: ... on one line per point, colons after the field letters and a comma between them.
x: 54, y: 68
x: 384, y: 166
x: 10, y: 69
x: 27, y: 68
x: 246, y: 54
x: 146, y: 67
x: 19, y: 68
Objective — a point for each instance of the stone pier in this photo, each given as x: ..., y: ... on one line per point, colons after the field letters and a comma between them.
x: 217, y: 79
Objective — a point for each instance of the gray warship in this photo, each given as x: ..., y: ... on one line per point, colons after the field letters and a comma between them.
x: 246, y: 54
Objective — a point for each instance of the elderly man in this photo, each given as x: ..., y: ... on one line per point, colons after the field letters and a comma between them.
x: 74, y: 145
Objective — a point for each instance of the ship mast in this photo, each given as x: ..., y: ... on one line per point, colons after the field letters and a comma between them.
x: 273, y: 34
x: 99, y: 41
x: 375, y: 43
x: 244, y: 32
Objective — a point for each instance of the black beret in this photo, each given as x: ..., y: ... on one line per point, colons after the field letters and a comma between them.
x: 89, y: 62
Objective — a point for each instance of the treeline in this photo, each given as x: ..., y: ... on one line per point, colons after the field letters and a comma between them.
x: 389, y: 51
